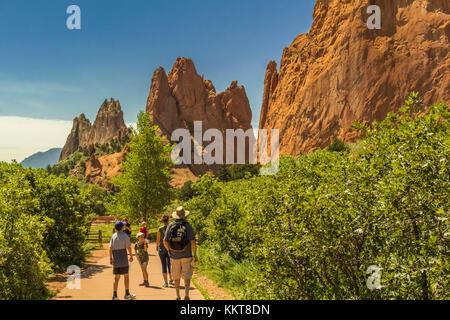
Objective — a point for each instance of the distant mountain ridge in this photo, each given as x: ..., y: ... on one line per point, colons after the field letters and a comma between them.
x: 42, y: 159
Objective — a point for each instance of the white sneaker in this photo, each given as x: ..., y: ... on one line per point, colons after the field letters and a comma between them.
x: 130, y: 296
x: 115, y: 298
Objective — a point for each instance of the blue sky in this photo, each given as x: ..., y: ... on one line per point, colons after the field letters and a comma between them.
x: 50, y: 72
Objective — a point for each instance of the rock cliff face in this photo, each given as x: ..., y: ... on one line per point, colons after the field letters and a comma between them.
x: 341, y: 71
x: 79, y: 136
x: 178, y: 99
x: 108, y: 125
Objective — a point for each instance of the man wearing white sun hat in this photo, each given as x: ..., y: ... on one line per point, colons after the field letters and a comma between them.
x: 179, y: 241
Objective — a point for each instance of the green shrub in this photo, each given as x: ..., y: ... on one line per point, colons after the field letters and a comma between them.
x: 70, y: 212
x: 24, y: 265
x: 186, y: 191
x: 313, y: 230
x: 237, y: 172
x: 338, y: 146
x: 66, y: 209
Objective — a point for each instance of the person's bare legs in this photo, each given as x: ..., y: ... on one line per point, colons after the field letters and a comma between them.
x: 127, y: 281
x: 187, y: 288
x: 116, y: 282
x: 177, y: 288
x: 165, y: 277
x: 144, y: 273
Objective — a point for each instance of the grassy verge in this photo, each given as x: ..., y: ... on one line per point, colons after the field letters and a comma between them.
x: 222, y: 269
x: 202, y: 291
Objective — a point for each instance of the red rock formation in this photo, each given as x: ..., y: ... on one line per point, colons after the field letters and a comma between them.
x: 341, y: 71
x: 102, y: 170
x: 108, y: 125
x: 77, y: 137
x: 178, y: 99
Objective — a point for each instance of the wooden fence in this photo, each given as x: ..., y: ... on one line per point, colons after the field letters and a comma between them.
x: 104, y: 220
x: 99, y: 236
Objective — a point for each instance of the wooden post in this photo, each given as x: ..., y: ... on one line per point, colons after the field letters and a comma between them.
x: 100, y: 237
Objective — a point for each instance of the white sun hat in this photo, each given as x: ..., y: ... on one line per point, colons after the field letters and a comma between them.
x: 139, y: 234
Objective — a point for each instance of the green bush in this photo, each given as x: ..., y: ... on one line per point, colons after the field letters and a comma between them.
x: 313, y: 230
x: 67, y: 211
x: 237, y: 172
x: 338, y: 146
x: 186, y: 192
x: 24, y: 265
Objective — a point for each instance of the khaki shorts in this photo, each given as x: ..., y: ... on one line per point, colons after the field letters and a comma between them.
x: 182, y: 268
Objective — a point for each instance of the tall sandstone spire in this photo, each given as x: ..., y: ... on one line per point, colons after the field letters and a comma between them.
x: 178, y: 99
x: 341, y: 71
x: 79, y: 136
x: 108, y: 125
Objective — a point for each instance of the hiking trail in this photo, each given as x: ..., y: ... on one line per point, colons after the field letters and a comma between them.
x: 97, y: 282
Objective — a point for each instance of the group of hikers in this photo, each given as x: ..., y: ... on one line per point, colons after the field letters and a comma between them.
x: 175, y: 244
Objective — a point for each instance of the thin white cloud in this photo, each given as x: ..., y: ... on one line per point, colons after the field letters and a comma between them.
x: 27, y: 87
x: 22, y: 137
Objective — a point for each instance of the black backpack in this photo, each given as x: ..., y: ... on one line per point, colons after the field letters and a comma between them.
x: 178, y: 237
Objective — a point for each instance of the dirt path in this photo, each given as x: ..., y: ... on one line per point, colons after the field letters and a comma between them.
x: 97, y: 282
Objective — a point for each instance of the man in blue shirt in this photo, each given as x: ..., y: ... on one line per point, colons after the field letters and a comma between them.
x: 118, y: 247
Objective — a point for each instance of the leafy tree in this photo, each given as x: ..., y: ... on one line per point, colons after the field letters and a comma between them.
x: 24, y: 265
x: 70, y: 214
x: 186, y: 191
x: 144, y: 183
x: 96, y: 197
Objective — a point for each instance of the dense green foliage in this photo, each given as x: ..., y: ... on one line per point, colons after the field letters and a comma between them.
x: 97, y: 196
x: 338, y: 146
x: 77, y: 160
x: 45, y: 220
x: 186, y: 192
x: 144, y: 183
x: 313, y: 230
x: 70, y: 212
x: 237, y: 172
x: 24, y: 265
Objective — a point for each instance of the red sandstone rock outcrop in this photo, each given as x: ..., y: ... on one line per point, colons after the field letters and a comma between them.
x: 102, y: 170
x: 108, y: 125
x: 341, y: 71
x: 178, y: 99
x: 79, y: 136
